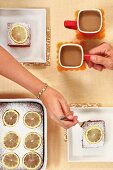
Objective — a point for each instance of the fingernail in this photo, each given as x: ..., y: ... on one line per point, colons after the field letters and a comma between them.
x: 70, y: 117
x: 75, y: 118
x: 93, y: 58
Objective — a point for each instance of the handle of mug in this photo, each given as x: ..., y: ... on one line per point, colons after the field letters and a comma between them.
x: 70, y: 24
x: 87, y: 57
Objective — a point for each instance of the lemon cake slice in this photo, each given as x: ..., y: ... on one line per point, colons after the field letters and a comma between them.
x: 93, y: 134
x: 19, y: 34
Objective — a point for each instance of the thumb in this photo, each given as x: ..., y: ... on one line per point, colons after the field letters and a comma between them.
x: 66, y: 109
x: 107, y: 62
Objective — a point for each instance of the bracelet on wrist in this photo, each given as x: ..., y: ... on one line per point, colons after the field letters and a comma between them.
x: 42, y: 91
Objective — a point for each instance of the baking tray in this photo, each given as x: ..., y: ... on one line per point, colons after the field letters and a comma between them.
x: 36, y: 53
x: 22, y: 106
x: 75, y: 151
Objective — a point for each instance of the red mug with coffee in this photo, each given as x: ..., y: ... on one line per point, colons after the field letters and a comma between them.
x: 72, y: 56
x: 89, y: 22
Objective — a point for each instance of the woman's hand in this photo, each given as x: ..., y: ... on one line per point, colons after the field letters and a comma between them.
x: 101, y: 57
x: 53, y: 100
x: 57, y: 107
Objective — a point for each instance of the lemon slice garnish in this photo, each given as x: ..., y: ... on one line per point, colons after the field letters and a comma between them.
x: 10, y: 117
x: 11, y: 140
x: 32, y: 119
x: 32, y: 160
x: 10, y: 161
x: 19, y: 34
x: 32, y: 141
x: 94, y: 135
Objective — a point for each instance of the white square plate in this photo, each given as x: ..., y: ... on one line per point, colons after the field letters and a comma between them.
x: 37, y: 19
x: 103, y: 154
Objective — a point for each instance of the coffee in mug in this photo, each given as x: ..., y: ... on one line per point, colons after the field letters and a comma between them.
x: 72, y: 56
x: 89, y: 21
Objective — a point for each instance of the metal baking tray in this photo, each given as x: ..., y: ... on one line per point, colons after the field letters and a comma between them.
x: 22, y: 106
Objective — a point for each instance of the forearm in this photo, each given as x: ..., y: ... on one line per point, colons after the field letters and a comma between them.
x: 14, y: 71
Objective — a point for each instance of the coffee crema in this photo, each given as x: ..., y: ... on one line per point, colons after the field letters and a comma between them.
x: 89, y: 21
x: 71, y: 56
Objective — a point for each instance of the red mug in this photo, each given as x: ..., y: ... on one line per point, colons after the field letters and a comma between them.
x: 84, y: 57
x: 76, y: 24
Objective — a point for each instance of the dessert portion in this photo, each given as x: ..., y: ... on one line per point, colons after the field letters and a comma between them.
x: 93, y: 134
x: 19, y: 34
x: 10, y: 160
x: 10, y: 117
x: 32, y: 119
x: 32, y: 141
x: 32, y: 161
x: 11, y: 140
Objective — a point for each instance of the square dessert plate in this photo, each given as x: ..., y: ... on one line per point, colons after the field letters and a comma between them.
x: 36, y: 53
x: 102, y: 154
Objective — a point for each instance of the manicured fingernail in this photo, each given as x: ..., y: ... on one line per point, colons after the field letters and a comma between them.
x: 93, y: 58
x: 70, y: 117
x: 75, y: 118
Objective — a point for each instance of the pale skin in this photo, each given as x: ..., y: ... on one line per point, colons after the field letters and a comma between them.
x: 54, y: 102
x: 101, y: 57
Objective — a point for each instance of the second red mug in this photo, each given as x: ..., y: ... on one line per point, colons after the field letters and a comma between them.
x: 89, y: 21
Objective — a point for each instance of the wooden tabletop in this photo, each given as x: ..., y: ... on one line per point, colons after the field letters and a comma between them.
x: 87, y: 86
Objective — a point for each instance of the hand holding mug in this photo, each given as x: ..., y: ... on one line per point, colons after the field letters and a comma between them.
x: 101, y: 57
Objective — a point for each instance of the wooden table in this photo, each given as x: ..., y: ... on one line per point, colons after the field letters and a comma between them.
x: 89, y: 86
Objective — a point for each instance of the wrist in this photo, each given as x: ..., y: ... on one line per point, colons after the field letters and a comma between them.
x: 42, y: 91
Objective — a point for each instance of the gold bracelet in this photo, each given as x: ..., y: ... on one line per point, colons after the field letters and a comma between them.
x: 42, y: 91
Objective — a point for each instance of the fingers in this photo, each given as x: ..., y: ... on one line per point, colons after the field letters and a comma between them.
x: 57, y: 108
x: 103, y: 49
x: 68, y: 124
x: 90, y: 64
x: 95, y: 66
x: 64, y: 105
x: 98, y: 67
x: 106, y: 62
x: 58, y: 113
x: 66, y: 109
x: 72, y: 120
x: 101, y: 57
